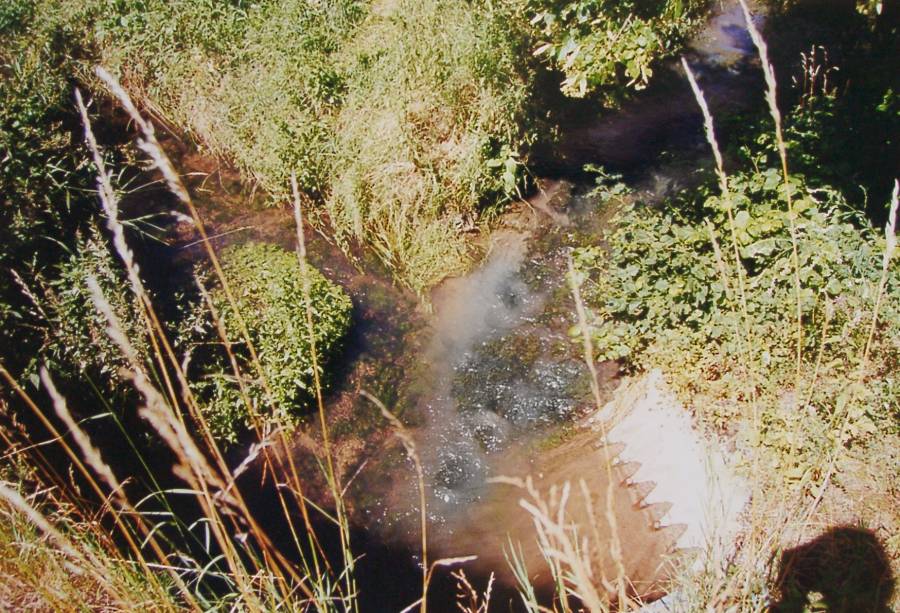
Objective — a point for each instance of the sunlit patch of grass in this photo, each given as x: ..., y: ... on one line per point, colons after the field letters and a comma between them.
x: 36, y: 572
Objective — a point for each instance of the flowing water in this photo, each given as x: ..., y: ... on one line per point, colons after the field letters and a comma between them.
x: 490, y: 381
x: 499, y: 382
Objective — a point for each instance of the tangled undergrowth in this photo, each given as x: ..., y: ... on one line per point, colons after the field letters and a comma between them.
x: 403, y: 122
x: 772, y: 307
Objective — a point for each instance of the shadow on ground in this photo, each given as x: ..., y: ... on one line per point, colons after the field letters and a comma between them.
x: 846, y: 565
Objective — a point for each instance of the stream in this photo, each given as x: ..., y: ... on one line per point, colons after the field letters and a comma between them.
x: 501, y: 384
x: 489, y: 382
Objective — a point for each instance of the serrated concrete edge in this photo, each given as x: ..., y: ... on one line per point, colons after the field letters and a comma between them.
x: 653, y: 429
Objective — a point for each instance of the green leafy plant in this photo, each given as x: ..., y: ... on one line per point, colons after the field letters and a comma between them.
x: 76, y: 339
x: 661, y: 278
x: 599, y: 44
x: 268, y: 293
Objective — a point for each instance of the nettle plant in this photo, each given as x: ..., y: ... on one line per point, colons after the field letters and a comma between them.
x: 665, y: 291
x: 601, y: 43
x: 267, y: 287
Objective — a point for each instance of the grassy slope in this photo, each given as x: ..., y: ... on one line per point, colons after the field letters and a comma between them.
x: 389, y: 113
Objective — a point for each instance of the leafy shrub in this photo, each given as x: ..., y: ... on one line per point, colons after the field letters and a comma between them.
x: 44, y: 180
x: 77, y: 342
x: 268, y: 289
x: 663, y: 296
x: 602, y: 43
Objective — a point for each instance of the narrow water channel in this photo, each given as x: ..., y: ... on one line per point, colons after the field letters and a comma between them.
x: 500, y: 384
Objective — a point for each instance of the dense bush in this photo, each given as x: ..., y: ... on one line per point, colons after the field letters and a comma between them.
x: 665, y: 294
x: 44, y: 179
x: 268, y: 289
x: 76, y: 341
x: 600, y: 44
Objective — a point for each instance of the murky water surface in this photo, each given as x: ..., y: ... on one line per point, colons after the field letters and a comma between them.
x: 489, y: 381
x: 501, y: 380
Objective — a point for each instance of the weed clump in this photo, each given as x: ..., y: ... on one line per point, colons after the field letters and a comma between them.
x: 269, y: 298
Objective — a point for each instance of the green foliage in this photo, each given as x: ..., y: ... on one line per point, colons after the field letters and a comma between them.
x: 432, y: 127
x: 257, y: 82
x: 77, y: 342
x: 662, y: 296
x: 402, y: 119
x: 601, y: 44
x: 43, y: 176
x: 268, y: 289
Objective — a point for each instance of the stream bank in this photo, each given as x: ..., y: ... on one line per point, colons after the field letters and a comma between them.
x: 490, y: 382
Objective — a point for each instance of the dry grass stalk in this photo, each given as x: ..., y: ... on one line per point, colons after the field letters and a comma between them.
x: 890, y: 248
x: 333, y: 477
x: 588, y: 350
x: 93, y: 457
x: 468, y: 600
x: 710, y: 130
x: 232, y: 359
x: 772, y: 100
x: 110, y: 202
x: 90, y: 453
x: 410, y: 445
x: 192, y: 465
x: 151, y: 146
x: 569, y: 554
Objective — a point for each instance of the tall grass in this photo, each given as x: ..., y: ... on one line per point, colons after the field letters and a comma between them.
x: 399, y: 119
x: 256, y: 571
x: 437, y: 93
x: 781, y: 515
x: 54, y: 558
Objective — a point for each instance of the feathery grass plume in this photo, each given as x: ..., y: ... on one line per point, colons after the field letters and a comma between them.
x: 110, y: 203
x: 410, y: 445
x: 90, y: 453
x: 890, y: 247
x: 192, y: 465
x: 94, y: 458
x: 333, y: 478
x: 588, y: 350
x: 468, y: 600
x: 560, y: 542
x: 98, y: 464
x: 710, y: 130
x: 772, y: 100
x: 150, y: 145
